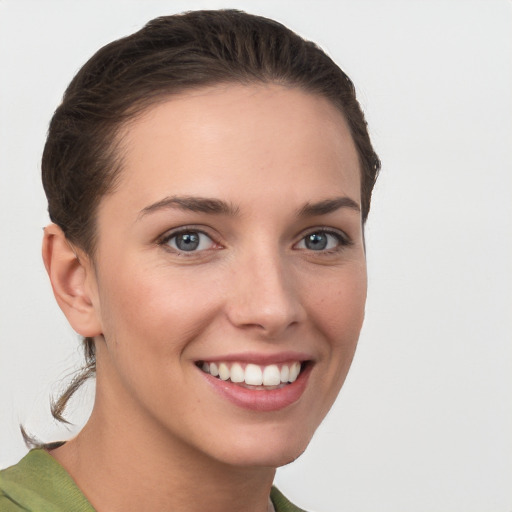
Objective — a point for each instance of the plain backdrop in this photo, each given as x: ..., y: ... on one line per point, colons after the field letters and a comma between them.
x: 424, y: 420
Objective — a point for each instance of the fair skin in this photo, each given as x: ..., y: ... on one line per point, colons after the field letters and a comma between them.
x: 233, y: 238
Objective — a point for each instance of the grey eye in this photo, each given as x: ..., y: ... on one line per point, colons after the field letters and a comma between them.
x: 190, y: 241
x: 316, y: 241
x: 321, y: 241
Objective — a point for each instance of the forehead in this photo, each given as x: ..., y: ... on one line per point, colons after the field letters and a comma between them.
x: 237, y: 139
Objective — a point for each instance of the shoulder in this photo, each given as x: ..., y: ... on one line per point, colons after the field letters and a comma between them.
x: 39, y: 483
x: 281, y: 503
x: 7, y: 505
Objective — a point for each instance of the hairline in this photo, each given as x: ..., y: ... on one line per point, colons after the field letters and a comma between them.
x: 118, y: 131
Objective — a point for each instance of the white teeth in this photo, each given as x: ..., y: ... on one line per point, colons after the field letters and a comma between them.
x: 237, y: 373
x: 285, y: 372
x: 253, y: 374
x: 294, y: 372
x: 214, y: 370
x: 271, y: 375
x: 224, y: 373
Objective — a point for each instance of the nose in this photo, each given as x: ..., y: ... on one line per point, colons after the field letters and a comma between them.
x: 264, y: 295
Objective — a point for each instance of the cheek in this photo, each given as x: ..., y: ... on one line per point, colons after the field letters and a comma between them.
x: 338, y: 307
x: 338, y: 314
x: 150, y: 316
x: 155, y: 308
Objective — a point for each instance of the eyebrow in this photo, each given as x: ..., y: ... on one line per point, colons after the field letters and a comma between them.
x: 193, y: 204
x: 219, y: 207
x: 328, y: 206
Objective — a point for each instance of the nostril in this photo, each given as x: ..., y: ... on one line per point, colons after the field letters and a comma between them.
x: 268, y: 322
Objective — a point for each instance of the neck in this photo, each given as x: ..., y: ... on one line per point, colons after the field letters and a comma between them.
x: 120, y: 464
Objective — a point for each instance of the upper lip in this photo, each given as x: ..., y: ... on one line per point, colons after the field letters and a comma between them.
x: 260, y: 358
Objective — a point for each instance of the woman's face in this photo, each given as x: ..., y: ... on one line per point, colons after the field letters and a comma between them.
x: 233, y: 244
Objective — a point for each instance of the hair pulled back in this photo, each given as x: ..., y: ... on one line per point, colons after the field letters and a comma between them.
x: 169, y: 55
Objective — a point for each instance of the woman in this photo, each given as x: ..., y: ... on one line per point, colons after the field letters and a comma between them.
x: 208, y: 179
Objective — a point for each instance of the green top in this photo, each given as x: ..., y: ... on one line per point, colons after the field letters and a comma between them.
x: 38, y: 483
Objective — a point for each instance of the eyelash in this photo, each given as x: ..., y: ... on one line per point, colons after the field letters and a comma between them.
x: 164, y: 241
x: 341, y: 238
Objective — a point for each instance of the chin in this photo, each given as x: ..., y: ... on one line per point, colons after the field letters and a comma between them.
x: 276, y: 452
x: 267, y: 460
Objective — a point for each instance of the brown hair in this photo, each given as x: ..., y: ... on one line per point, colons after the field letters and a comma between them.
x: 169, y: 55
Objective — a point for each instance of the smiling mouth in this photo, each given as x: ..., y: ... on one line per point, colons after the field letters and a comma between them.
x: 253, y: 376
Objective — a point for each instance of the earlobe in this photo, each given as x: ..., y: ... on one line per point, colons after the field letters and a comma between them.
x: 73, y: 282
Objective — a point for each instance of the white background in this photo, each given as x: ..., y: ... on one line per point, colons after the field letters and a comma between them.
x: 424, y: 422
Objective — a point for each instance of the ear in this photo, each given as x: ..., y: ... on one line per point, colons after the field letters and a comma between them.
x: 73, y: 281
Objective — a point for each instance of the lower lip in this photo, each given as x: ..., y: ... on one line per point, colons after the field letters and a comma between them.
x: 260, y: 399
